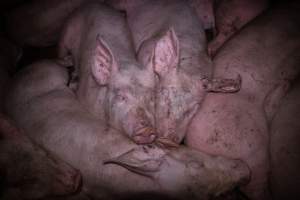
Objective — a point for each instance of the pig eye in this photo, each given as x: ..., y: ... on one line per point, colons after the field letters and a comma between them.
x: 121, y: 97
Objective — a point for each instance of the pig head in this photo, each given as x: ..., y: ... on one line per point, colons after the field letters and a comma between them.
x: 122, y: 92
x: 179, y: 91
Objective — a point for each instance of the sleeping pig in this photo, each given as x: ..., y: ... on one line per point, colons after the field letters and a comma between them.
x: 173, y: 44
x: 265, y: 54
x: 112, y: 84
x: 57, y: 120
x: 28, y: 171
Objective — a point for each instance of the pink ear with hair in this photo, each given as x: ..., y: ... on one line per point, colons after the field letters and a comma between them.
x: 166, y: 53
x: 103, y: 62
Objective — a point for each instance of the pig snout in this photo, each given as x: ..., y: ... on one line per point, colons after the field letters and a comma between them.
x: 70, y: 181
x: 143, y: 131
x: 241, y: 172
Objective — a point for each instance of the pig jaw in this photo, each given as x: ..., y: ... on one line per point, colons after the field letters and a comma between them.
x: 131, y: 105
x: 178, y: 100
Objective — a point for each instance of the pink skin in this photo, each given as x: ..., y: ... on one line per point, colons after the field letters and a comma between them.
x: 55, y: 119
x: 39, y: 23
x: 175, y: 44
x: 112, y: 84
x: 42, y: 174
x: 236, y: 125
x: 284, y: 147
x: 231, y: 16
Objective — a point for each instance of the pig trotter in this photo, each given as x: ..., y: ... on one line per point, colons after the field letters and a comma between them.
x: 221, y: 85
x: 145, y: 135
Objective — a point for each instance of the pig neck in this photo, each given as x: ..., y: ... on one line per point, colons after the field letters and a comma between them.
x: 93, y: 97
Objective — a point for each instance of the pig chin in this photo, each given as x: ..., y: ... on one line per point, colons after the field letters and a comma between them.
x: 139, y: 127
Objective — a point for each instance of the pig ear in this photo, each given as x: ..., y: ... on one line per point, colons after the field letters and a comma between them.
x: 140, y: 160
x: 103, y: 62
x: 166, y: 53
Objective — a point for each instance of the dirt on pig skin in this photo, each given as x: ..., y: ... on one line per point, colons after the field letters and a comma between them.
x: 238, y: 125
x: 112, y: 166
x: 109, y: 76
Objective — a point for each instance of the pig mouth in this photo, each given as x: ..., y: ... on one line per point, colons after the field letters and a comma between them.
x: 144, y: 135
x: 165, y: 142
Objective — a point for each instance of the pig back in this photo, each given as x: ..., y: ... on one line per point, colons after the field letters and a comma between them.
x: 264, y: 53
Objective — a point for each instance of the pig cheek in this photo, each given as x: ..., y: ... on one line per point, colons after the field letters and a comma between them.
x: 123, y: 116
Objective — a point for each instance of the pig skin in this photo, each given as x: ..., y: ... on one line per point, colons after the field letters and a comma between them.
x: 284, y: 147
x: 265, y: 54
x: 205, y: 12
x: 175, y: 43
x: 231, y: 16
x: 9, y: 55
x: 28, y: 171
x: 55, y: 118
x: 109, y: 75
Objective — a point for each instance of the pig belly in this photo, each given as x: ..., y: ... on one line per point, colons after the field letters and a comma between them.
x: 229, y: 125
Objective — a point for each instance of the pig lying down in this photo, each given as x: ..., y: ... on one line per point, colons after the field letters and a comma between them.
x: 39, y: 23
x: 27, y: 171
x: 237, y: 125
x: 284, y: 146
x: 112, y: 166
x: 173, y: 43
x: 112, y: 84
x: 230, y: 17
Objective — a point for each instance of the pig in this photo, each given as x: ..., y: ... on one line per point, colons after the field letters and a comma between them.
x: 236, y: 125
x: 231, y: 16
x: 112, y: 166
x: 28, y: 171
x: 39, y: 23
x: 112, y: 84
x: 284, y: 146
x: 174, y: 42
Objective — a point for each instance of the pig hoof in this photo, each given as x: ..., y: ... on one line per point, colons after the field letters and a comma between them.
x: 144, y: 136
